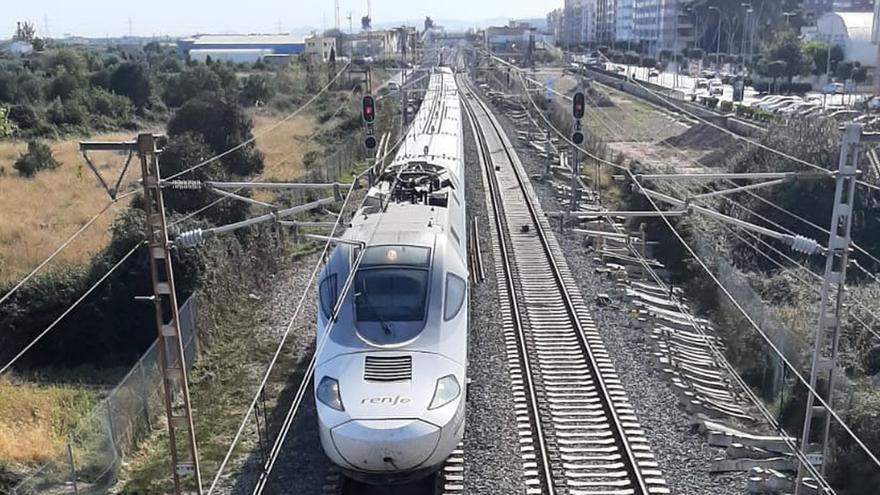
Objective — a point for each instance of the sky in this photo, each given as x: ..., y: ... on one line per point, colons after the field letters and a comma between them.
x: 98, y: 18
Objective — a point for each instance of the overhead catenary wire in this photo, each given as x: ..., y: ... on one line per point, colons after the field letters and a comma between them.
x: 602, y: 121
x: 289, y: 327
x: 57, y: 251
x: 264, y: 131
x: 717, y: 352
x: 254, y: 177
x: 91, y: 221
x: 69, y: 309
x: 727, y: 131
x: 873, y: 457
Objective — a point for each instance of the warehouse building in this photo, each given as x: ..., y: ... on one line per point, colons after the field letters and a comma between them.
x: 240, y: 48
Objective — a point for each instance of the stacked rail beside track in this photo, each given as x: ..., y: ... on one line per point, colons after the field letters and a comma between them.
x: 578, y: 432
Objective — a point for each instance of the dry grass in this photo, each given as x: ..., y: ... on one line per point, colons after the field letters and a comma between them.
x: 39, y: 214
x: 284, y: 146
x: 34, y: 420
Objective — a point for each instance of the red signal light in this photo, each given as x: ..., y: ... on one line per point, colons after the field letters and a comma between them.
x: 369, y: 106
x: 578, y: 104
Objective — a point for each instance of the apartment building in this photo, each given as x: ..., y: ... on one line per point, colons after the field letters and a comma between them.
x: 578, y: 22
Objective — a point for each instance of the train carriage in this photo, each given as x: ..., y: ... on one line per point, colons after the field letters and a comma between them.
x: 391, y: 371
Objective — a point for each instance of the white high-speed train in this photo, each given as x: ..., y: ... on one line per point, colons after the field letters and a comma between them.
x: 391, y: 375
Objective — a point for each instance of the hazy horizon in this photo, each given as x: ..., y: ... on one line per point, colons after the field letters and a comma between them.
x: 100, y: 18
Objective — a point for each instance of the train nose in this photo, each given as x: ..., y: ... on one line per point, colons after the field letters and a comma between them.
x: 385, y: 445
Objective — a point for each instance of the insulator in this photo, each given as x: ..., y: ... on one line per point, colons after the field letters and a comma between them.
x: 801, y: 244
x: 190, y: 239
x: 192, y: 185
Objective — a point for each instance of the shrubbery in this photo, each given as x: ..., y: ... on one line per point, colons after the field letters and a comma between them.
x: 38, y: 157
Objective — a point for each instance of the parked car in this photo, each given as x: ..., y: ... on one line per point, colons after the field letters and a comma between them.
x: 874, y: 104
x: 833, y: 88
x: 715, y: 87
x: 708, y: 73
x: 843, y: 115
x: 768, y: 103
x: 653, y: 73
x: 701, y: 84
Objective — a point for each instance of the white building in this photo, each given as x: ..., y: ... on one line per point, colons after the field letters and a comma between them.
x: 624, y: 28
x: 578, y: 22
x: 20, y: 48
x: 320, y: 47
x: 852, y: 31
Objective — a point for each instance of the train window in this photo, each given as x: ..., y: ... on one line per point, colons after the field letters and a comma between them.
x: 329, y: 294
x: 455, y: 292
x: 384, y: 294
x: 396, y: 255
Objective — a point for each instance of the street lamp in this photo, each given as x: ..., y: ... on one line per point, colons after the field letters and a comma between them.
x: 718, y: 34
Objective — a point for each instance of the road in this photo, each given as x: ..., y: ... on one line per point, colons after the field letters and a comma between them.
x: 686, y: 84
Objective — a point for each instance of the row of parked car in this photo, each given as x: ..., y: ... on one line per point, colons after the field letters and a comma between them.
x: 811, y: 106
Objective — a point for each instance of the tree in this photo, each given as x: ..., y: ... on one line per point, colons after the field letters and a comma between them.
x: 63, y: 86
x: 775, y: 69
x: 38, y: 157
x: 859, y: 75
x: 222, y: 125
x: 5, y: 124
x: 39, y: 44
x: 131, y: 80
x: 844, y: 71
x: 817, y: 51
x: 786, y: 47
x: 190, y: 83
x: 332, y: 55
x: 257, y: 88
x: 24, y: 31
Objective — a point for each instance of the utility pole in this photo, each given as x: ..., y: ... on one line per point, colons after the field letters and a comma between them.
x: 831, y: 310
x: 172, y: 359
x: 577, y: 137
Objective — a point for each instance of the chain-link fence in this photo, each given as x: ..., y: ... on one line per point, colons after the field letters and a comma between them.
x: 95, y: 449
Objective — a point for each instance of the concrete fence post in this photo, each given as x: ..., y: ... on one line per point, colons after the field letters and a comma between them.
x: 145, y: 395
x: 72, y: 464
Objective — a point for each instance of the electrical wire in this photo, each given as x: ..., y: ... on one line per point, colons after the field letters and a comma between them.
x: 130, y: 193
x: 264, y: 131
x: 57, y: 251
x: 728, y: 131
x: 601, y: 120
x: 288, y: 329
x: 69, y: 309
x: 717, y: 352
x: 736, y: 303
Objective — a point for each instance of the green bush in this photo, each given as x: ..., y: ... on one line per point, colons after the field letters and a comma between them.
x: 38, y: 157
x: 726, y: 106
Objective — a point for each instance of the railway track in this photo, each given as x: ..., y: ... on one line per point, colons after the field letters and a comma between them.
x: 579, y: 435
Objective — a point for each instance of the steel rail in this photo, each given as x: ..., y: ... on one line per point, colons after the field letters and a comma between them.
x: 631, y: 463
x: 485, y: 157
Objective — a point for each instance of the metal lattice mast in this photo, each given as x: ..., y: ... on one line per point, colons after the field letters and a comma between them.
x: 172, y: 359
x: 831, y: 306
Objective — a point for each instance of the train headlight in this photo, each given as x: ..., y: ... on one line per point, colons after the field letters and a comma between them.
x: 328, y: 393
x: 447, y: 390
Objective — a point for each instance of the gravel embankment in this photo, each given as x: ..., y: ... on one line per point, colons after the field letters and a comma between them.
x: 301, y: 462
x: 683, y: 454
x: 491, y: 448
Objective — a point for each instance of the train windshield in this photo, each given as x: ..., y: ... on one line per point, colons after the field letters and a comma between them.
x: 391, y: 284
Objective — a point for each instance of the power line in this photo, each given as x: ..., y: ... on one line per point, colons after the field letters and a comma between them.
x: 70, y: 308
x: 736, y: 303
x: 57, y: 251
x: 265, y: 131
x: 737, y: 136
x: 289, y: 327
x: 601, y: 119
